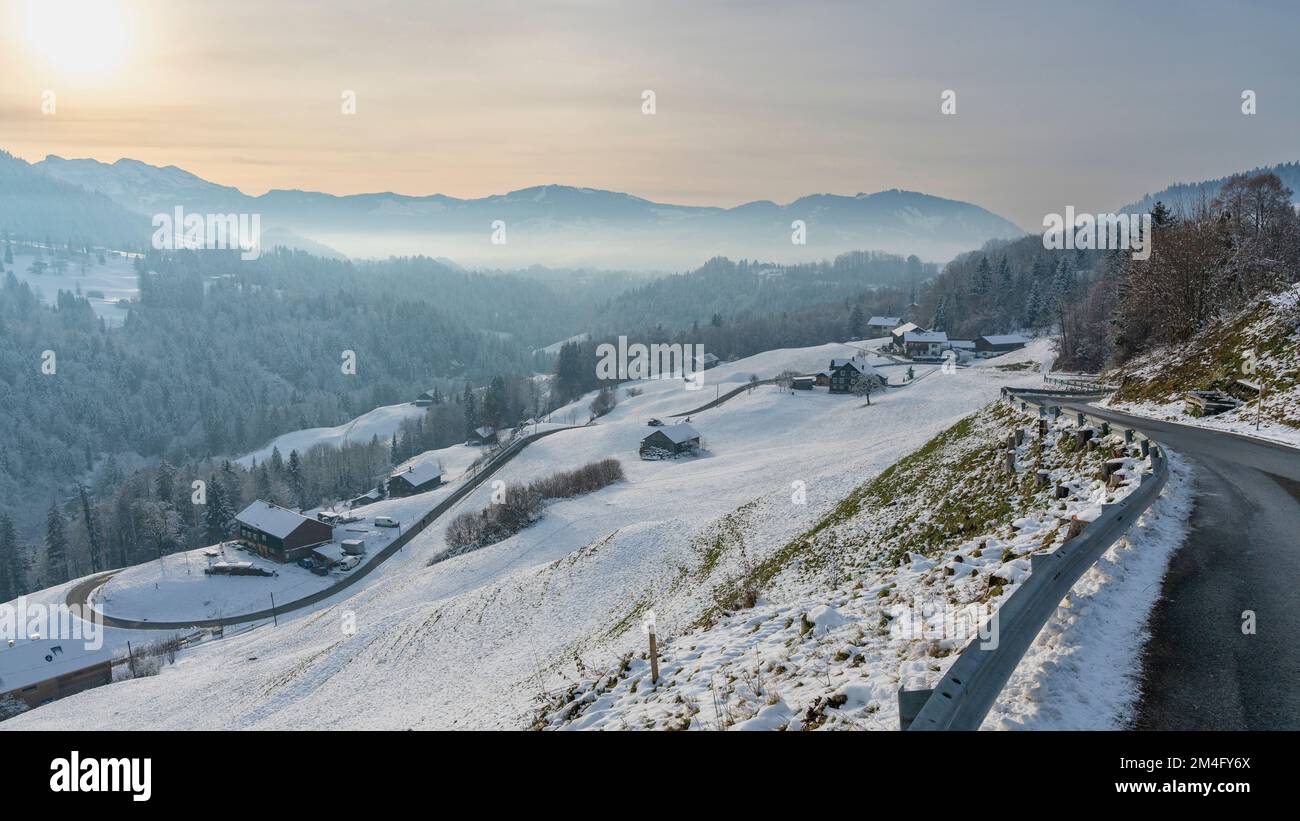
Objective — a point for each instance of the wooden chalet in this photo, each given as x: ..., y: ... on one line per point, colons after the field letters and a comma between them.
x: 279, y: 533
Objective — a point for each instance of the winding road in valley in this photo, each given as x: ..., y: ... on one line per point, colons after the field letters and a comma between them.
x: 1242, y: 555
x: 79, y: 595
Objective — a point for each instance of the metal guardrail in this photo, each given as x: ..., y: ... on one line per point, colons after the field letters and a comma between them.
x: 964, y: 696
x: 1080, y: 385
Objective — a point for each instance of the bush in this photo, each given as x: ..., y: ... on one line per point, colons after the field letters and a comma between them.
x: 523, y: 506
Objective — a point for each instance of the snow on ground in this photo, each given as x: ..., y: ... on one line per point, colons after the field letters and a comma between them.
x: 852, y: 615
x: 115, y: 279
x: 382, y: 422
x: 175, y: 588
x: 1260, y: 343
x: 472, y: 641
x: 1240, y: 420
x: 1083, y: 672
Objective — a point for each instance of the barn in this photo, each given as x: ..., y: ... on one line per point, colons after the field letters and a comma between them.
x: 671, y: 440
x: 414, y: 479
x: 803, y: 383
x: 1000, y: 343
x: 845, y: 372
x: 483, y: 436
x: 278, y: 533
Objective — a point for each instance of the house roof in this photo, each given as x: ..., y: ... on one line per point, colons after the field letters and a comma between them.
x: 417, y: 475
x: 679, y: 433
x: 271, y: 519
x: 485, y: 431
x: 910, y: 326
x: 925, y: 337
x: 26, y: 663
x: 857, y: 363
x: 891, y: 321
x: 1005, y: 339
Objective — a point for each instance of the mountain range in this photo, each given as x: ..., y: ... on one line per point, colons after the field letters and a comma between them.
x: 552, y: 225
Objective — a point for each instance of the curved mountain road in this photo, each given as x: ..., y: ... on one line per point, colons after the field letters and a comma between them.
x: 1200, y: 671
x: 79, y: 595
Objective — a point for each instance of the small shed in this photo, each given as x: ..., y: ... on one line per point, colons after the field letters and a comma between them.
x: 354, y: 547
x: 803, y: 383
x: 1000, y: 343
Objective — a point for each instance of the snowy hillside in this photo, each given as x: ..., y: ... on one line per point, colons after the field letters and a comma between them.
x: 1260, y: 344
x: 475, y: 640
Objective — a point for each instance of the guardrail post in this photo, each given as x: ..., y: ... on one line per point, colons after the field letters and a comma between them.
x: 1146, y: 447
x: 910, y: 703
x: 1080, y: 419
x: 1128, y: 436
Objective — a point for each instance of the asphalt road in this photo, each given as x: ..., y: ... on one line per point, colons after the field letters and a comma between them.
x: 78, y: 595
x: 1200, y: 671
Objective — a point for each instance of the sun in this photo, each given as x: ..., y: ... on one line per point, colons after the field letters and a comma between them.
x: 85, y: 38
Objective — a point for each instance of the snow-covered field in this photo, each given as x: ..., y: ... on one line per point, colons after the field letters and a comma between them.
x: 175, y: 588
x: 115, y: 279
x: 382, y: 422
x: 861, y: 606
x: 474, y: 640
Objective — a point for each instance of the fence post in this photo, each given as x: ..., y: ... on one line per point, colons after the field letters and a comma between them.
x: 654, y: 657
x: 273, y: 617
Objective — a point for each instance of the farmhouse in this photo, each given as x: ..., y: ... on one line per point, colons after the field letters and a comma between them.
x: 38, y: 671
x: 845, y: 372
x: 483, y: 436
x: 414, y: 479
x: 924, y: 345
x: 881, y: 325
x: 896, y: 335
x: 671, y: 439
x: 278, y: 533
x: 424, y: 400
x: 1000, y: 343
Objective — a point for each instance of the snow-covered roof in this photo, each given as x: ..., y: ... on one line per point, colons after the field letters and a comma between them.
x: 679, y: 433
x: 910, y: 326
x: 858, y: 363
x: 889, y: 321
x: 271, y: 519
x: 485, y: 431
x: 29, y: 662
x: 1005, y: 339
x: 925, y: 336
x: 419, y: 474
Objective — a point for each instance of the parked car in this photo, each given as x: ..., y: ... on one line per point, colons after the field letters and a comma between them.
x: 306, y: 563
x: 320, y: 569
x: 349, y: 563
x: 655, y: 423
x: 349, y: 518
x: 384, y: 521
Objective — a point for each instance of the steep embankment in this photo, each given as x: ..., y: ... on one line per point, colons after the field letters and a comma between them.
x: 1259, y: 344
x: 887, y: 587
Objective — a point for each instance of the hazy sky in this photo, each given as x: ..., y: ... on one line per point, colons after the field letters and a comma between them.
x: 1090, y: 104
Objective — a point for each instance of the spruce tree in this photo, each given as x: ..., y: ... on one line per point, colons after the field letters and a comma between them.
x: 56, y: 546
x: 11, y: 581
